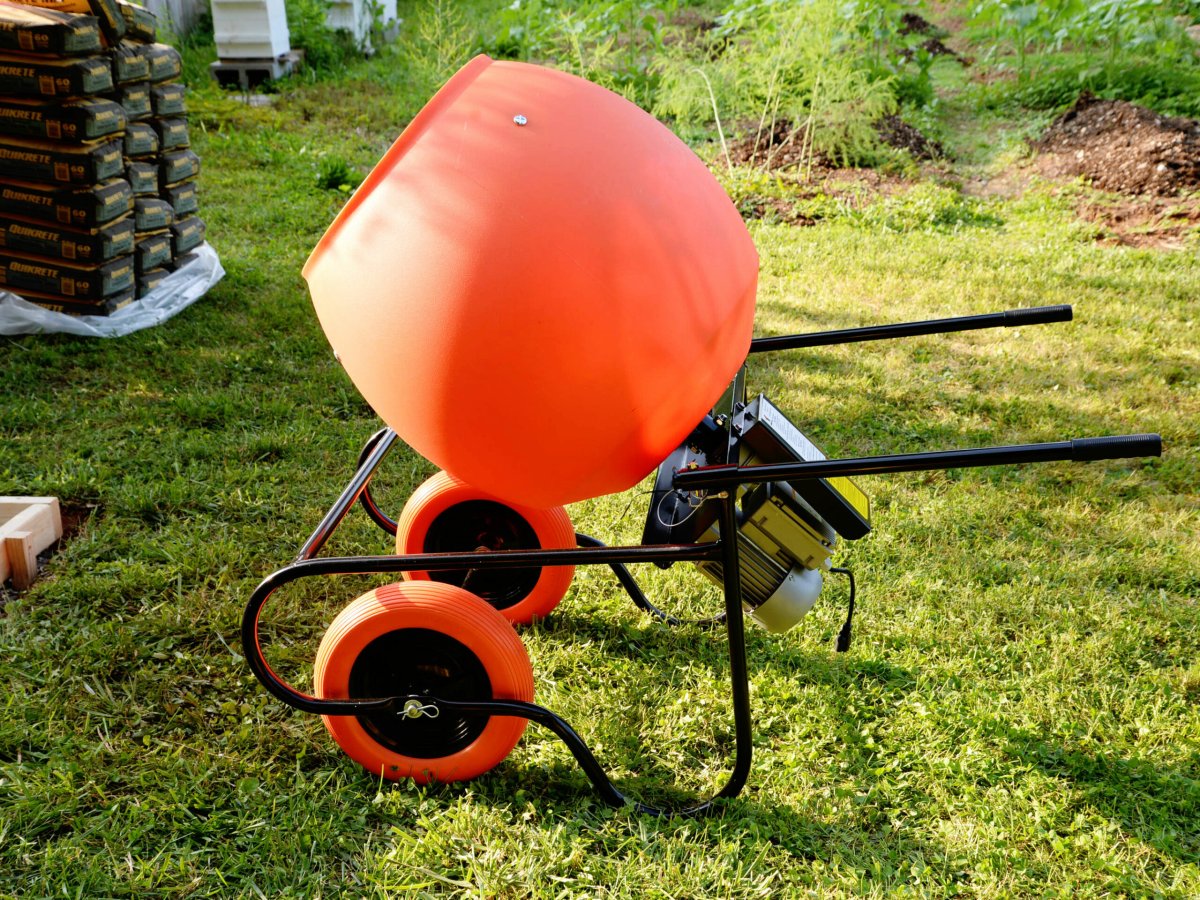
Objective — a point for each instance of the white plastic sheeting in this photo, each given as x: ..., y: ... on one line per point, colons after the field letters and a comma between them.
x: 177, y: 291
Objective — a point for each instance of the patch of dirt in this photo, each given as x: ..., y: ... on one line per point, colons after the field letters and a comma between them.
x: 1147, y: 164
x: 774, y: 149
x: 1156, y: 222
x: 692, y: 20
x: 950, y: 13
x: 1122, y: 148
x: 985, y: 75
x: 783, y: 146
x: 687, y: 26
x: 913, y: 23
x: 1009, y: 184
x: 857, y: 187
x: 852, y: 188
x: 74, y: 517
x: 786, y: 211
x: 895, y: 132
x: 934, y: 47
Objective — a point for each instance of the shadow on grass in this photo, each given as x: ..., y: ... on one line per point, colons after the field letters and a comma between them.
x: 1160, y: 804
x: 637, y: 742
x: 876, y: 847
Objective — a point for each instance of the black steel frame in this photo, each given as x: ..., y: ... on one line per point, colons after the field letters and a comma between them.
x: 590, y: 552
x: 721, y: 482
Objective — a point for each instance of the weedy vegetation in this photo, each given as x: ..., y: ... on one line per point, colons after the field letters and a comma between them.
x: 800, y: 64
x: 1135, y: 50
x: 1019, y: 714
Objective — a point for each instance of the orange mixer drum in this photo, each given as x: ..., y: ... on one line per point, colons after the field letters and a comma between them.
x: 539, y: 287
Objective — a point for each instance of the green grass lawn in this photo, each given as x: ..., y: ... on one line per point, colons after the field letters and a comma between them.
x: 1018, y: 715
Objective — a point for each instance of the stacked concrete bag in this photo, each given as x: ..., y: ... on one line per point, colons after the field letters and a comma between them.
x: 139, y: 207
x: 67, y: 232
x: 160, y: 166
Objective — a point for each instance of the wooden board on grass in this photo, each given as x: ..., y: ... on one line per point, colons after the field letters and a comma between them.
x: 28, y: 525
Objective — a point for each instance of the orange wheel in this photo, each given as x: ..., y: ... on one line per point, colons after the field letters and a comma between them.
x: 447, y: 515
x: 423, y: 638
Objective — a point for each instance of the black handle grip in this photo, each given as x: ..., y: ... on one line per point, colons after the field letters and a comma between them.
x: 1038, y: 315
x: 1122, y: 446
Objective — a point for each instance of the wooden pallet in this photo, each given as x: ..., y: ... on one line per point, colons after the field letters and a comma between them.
x: 28, y: 525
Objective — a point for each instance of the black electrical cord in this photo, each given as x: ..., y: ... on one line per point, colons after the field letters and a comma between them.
x: 843, y: 638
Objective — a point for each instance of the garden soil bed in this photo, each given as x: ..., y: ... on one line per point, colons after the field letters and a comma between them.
x: 1148, y: 164
x: 1145, y: 167
x: 1122, y: 148
x: 782, y: 146
x: 853, y: 188
x: 782, y: 150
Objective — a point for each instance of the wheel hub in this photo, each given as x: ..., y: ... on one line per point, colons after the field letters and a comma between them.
x: 421, y: 661
x: 484, y: 526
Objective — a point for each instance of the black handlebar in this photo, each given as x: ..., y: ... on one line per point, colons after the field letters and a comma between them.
x: 1037, y: 315
x: 1078, y: 450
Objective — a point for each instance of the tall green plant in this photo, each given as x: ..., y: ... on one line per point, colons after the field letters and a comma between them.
x: 1027, y: 29
x: 1116, y: 28
x: 611, y: 42
x: 325, y: 50
x: 441, y: 41
x: 805, y: 64
x: 1123, y: 49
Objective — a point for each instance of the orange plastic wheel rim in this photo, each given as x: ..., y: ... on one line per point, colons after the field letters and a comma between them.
x: 536, y: 592
x: 429, y: 607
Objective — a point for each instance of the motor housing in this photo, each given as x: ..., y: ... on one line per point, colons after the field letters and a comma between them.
x: 784, y: 546
x: 787, y: 531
